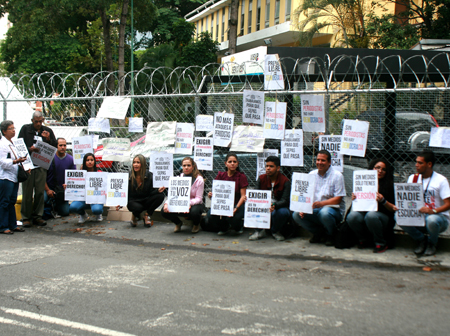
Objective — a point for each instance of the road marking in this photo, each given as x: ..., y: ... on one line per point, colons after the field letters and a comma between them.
x: 64, y: 323
x: 30, y: 326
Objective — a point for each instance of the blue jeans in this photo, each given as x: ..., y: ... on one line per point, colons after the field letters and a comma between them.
x: 79, y: 207
x: 322, y: 220
x: 60, y: 206
x: 373, y: 222
x: 278, y: 218
x: 434, y: 224
x: 8, y: 198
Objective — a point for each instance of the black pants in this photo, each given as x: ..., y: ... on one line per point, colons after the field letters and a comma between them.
x: 226, y: 223
x: 149, y: 204
x: 195, y: 215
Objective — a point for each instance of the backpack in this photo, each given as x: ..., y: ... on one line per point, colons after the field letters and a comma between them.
x: 345, y: 237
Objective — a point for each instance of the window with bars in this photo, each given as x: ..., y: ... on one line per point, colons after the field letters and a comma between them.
x: 266, y: 24
x: 250, y: 5
x: 242, y: 17
x: 258, y: 16
x: 277, y: 12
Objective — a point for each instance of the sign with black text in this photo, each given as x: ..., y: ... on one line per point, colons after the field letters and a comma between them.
x: 257, y: 209
x: 223, y: 128
x: 162, y: 169
x: 365, y: 188
x: 179, y: 194
x: 409, y: 200
x: 332, y: 143
x: 302, y: 192
x: 222, y: 201
x: 75, y: 181
x: 45, y: 156
x: 203, y: 153
x: 117, y: 189
x: 96, y: 185
x: 253, y: 107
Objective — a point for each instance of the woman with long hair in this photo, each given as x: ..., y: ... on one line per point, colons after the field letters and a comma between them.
x: 196, y: 206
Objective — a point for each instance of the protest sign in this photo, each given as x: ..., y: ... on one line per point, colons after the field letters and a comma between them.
x: 203, y: 153
x: 184, y: 138
x: 275, y: 120
x: 253, y: 107
x: 96, y: 185
x: 75, y: 181
x: 292, y: 149
x: 204, y: 122
x: 273, y: 74
x: 223, y: 128
x: 22, y: 151
x: 313, y: 113
x: 354, y: 137
x: 117, y: 189
x: 136, y: 125
x: 247, y: 139
x: 257, y: 209
x: 261, y: 160
x: 440, y: 137
x: 409, y: 200
x: 365, y: 188
x: 179, y: 194
x: 45, y: 156
x: 160, y: 134
x: 302, y: 192
x: 293, y: 134
x: 81, y: 147
x: 95, y: 139
x: 116, y: 149
x: 114, y: 107
x: 162, y: 169
x: 99, y: 125
x: 332, y: 143
x: 222, y: 201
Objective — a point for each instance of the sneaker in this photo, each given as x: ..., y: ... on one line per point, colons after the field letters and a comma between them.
x: 222, y: 233
x: 420, y: 249
x: 380, y: 248
x: 40, y: 222
x: 241, y: 231
x: 431, y: 250
x: 195, y: 228
x: 262, y: 234
x: 99, y: 218
x: 82, y: 218
x: 177, y: 228
x: 278, y: 236
x: 254, y: 236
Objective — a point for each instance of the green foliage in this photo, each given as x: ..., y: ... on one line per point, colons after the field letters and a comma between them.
x: 200, y: 52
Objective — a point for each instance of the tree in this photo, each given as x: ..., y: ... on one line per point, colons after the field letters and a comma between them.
x: 200, y: 52
x: 232, y: 40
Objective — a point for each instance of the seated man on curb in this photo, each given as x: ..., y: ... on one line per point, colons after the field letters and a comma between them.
x: 281, y: 189
x: 329, y: 204
x: 437, y: 203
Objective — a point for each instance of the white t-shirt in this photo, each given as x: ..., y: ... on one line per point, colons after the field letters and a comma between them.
x: 436, y: 189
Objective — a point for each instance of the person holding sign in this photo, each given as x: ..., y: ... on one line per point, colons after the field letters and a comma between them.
x: 436, y: 191
x: 196, y: 206
x: 231, y: 173
x: 377, y: 225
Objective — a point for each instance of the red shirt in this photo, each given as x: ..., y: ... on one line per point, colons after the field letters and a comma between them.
x: 239, y: 178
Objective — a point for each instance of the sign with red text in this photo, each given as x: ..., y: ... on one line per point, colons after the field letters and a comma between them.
x: 365, y: 188
x: 203, y: 153
x: 184, y: 138
x: 257, y: 209
x: 81, y: 147
x: 275, y: 120
x: 409, y: 200
x: 45, y: 156
x: 332, y: 143
x: 75, y: 181
x: 313, y: 113
x: 354, y: 137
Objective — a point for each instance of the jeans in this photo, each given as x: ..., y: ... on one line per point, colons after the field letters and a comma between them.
x: 322, y: 220
x: 79, y: 207
x: 8, y: 198
x: 278, y: 218
x: 195, y: 215
x: 226, y: 223
x: 373, y: 222
x: 434, y: 224
x: 149, y: 204
x: 60, y: 206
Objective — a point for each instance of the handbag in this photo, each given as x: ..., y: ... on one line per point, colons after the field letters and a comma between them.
x: 22, y: 175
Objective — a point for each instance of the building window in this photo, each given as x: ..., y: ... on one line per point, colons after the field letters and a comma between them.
x: 212, y: 25
x: 242, y: 17
x: 217, y: 26
x: 206, y: 24
x: 288, y: 10
x: 223, y: 24
x: 258, y: 16
x: 266, y: 25
x: 277, y: 12
x: 250, y: 5
x: 200, y: 27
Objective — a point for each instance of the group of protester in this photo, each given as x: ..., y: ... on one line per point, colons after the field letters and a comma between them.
x: 372, y: 229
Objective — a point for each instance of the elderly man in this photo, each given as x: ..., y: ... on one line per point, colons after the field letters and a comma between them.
x: 34, y: 186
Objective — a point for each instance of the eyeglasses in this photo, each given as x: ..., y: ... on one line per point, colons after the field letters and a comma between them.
x: 379, y: 168
x: 11, y: 129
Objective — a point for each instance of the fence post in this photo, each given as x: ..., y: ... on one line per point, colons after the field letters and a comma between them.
x: 390, y: 118
x: 93, y: 108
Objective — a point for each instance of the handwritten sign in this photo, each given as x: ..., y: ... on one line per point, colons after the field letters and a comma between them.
x: 179, y: 194
x: 117, y: 190
x: 203, y: 153
x: 409, y: 199
x: 96, y: 185
x: 332, y: 143
x: 222, y: 201
x: 365, y: 188
x: 75, y: 181
x: 440, y: 137
x: 273, y: 74
x: 257, y: 209
x: 253, y: 107
x: 223, y: 128
x: 160, y: 134
x: 248, y: 139
x: 275, y: 120
x: 21, y: 150
x: 116, y: 149
x: 81, y: 147
x: 261, y: 160
x: 114, y: 107
x: 99, y: 125
x: 184, y: 138
x: 204, y: 122
x: 45, y: 156
x: 136, y: 125
x: 292, y: 150
x: 302, y: 192
x: 354, y: 137
x: 162, y: 169
x: 313, y: 113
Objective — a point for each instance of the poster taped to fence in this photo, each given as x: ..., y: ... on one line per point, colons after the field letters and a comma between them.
x: 440, y: 137
x: 22, y: 151
x: 248, y: 139
x: 135, y: 125
x: 160, y: 134
x: 261, y: 160
x: 354, y: 137
x: 332, y: 143
x: 302, y: 192
x: 223, y: 128
x: 116, y: 149
x: 117, y: 189
x: 365, y: 188
x: 95, y: 139
x: 275, y: 120
x: 222, y: 201
x: 204, y: 122
x: 273, y: 74
x: 75, y: 181
x: 45, y: 156
x: 114, y: 107
x: 184, y: 138
x: 162, y: 169
x: 203, y: 153
x: 179, y: 194
x: 409, y: 200
x: 257, y: 209
x: 313, y: 113
x: 292, y: 149
x: 253, y: 107
x: 96, y: 185
x: 81, y: 147
x: 99, y: 125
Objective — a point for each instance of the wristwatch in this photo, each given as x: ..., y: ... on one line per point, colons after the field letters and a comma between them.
x: 434, y: 210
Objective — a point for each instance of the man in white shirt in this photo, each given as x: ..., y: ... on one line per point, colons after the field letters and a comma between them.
x: 436, y: 191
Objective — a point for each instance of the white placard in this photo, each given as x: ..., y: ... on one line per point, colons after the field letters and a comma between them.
x: 162, y: 169
x: 273, y: 74
x: 184, y: 138
x: 332, y: 143
x: 354, y: 137
x: 75, y: 181
x: 248, y: 139
x: 292, y: 152
x: 257, y: 209
x: 116, y: 149
x: 275, y: 120
x: 223, y: 128
x: 203, y: 153
x: 45, y: 156
x: 160, y: 134
x: 95, y: 139
x: 204, y: 122
x: 81, y: 147
x: 440, y: 137
x: 22, y: 151
x: 409, y: 199
x: 114, y: 107
x: 117, y: 190
x: 291, y: 134
x: 253, y: 107
x: 136, y: 125
x: 302, y: 192
x: 99, y: 125
x: 96, y: 185
x: 313, y: 113
x: 365, y: 188
x: 179, y: 194
x: 261, y: 161
x: 222, y: 201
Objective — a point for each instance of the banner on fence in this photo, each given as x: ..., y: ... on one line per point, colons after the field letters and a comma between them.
x: 409, y: 200
x: 275, y: 120
x: 292, y: 149
x: 75, y: 181
x: 248, y: 139
x: 261, y: 160
x: 204, y: 122
x: 184, y: 138
x: 96, y: 185
x: 365, y: 188
x: 22, y: 151
x: 203, y: 153
x: 179, y: 194
x: 302, y: 192
x: 160, y: 134
x: 45, y: 156
x: 223, y: 128
x: 354, y: 137
x: 99, y: 125
x: 222, y: 201
x: 273, y: 74
x: 257, y: 209
x: 332, y: 143
x: 114, y: 107
x: 81, y: 147
x: 440, y: 137
x: 116, y: 149
x: 253, y: 107
x: 162, y: 169
x: 313, y: 113
x: 117, y: 189
x: 136, y: 125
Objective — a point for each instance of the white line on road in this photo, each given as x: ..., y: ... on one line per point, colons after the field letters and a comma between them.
x: 30, y: 326
x: 65, y: 323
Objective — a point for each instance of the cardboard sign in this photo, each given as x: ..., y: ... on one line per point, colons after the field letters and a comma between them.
x: 292, y: 150
x: 21, y: 150
x: 75, y: 181
x: 223, y: 128
x: 203, y: 153
x: 160, y: 134
x: 116, y: 149
x: 81, y: 147
x: 273, y: 74
x: 117, y: 191
x: 253, y: 107
x: 248, y: 139
x: 440, y: 137
x: 257, y: 209
x: 222, y: 201
x: 114, y: 107
x: 354, y: 137
x: 45, y: 156
x: 136, y: 125
x: 261, y: 160
x: 302, y: 192
x: 96, y: 185
x: 184, y: 138
x: 99, y: 125
x: 275, y: 120
x: 179, y: 194
x: 204, y: 122
x: 313, y: 113
x: 332, y: 143
x: 162, y: 169
x: 365, y: 188
x: 409, y: 200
